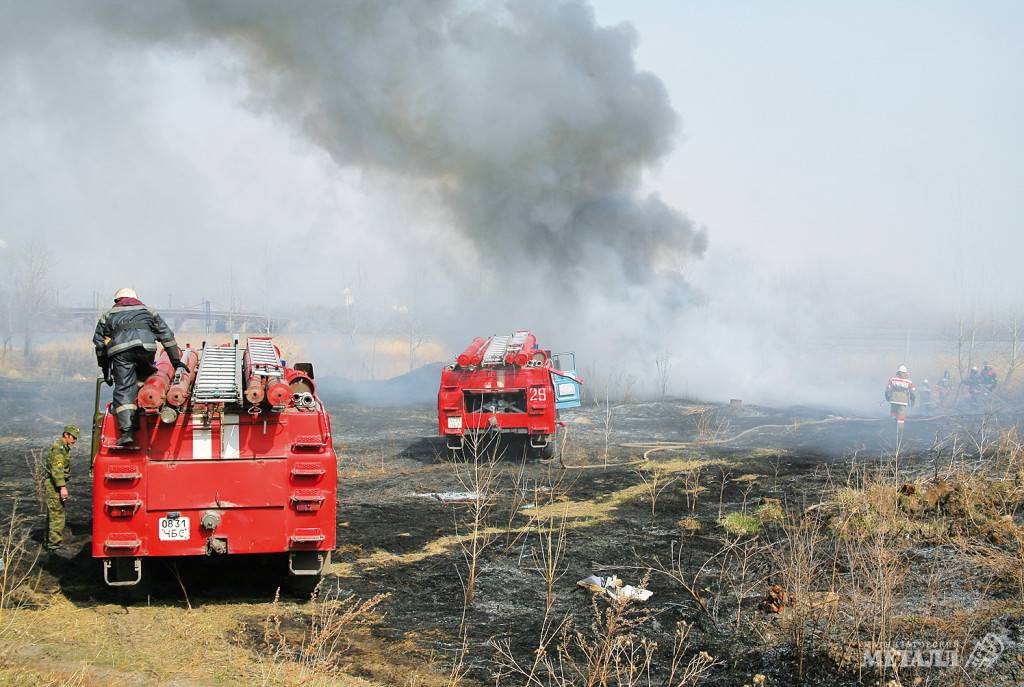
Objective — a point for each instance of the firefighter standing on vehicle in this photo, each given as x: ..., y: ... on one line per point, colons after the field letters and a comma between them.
x: 125, y: 341
x: 55, y: 486
x: 900, y: 393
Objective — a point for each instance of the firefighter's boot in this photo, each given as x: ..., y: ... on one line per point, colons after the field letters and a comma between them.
x: 125, y: 427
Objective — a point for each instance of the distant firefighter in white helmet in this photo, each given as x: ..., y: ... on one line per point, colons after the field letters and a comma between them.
x: 901, y: 394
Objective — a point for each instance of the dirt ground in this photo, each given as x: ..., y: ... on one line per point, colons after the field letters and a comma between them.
x: 206, y: 622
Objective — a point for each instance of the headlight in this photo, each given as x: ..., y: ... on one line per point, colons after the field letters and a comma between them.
x: 455, y: 422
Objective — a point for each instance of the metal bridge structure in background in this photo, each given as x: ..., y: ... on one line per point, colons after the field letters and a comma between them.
x: 203, y: 319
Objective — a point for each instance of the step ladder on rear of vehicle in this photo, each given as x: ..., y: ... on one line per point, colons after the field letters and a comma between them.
x: 263, y: 357
x: 219, y: 379
x: 495, y: 353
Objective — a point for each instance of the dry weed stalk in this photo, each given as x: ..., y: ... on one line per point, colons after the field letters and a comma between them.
x: 710, y: 426
x: 776, y: 463
x: 804, y: 567
x: 549, y: 553
x: 609, y: 653
x: 333, y: 618
x: 694, y: 584
x: 723, y: 478
x: 35, y: 461
x: 606, y: 420
x: 317, y: 655
x: 519, y: 490
x: 692, y: 488
x: 655, y: 483
x: 479, y: 478
x: 18, y: 559
x: 875, y: 572
x: 747, y: 571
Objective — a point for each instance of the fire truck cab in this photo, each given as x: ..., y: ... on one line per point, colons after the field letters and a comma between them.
x: 508, y: 385
x: 233, y: 456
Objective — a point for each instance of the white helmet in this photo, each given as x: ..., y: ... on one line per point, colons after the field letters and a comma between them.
x: 126, y: 292
x: 902, y: 369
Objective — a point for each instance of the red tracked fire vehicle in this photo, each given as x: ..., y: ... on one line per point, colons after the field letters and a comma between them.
x: 509, y: 385
x: 233, y: 456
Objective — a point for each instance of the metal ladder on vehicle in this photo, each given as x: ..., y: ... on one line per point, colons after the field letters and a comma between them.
x: 263, y: 357
x: 518, y: 339
x: 219, y: 379
x: 495, y: 353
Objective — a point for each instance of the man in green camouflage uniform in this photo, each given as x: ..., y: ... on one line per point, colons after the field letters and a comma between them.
x: 58, y: 472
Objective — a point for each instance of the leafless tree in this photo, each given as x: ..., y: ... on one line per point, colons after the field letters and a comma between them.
x: 7, y: 315
x: 1014, y: 361
x: 479, y: 478
x: 32, y: 277
x: 412, y: 330
x: 664, y: 364
x: 966, y: 338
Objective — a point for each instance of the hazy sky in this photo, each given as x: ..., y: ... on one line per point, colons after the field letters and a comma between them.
x: 488, y: 165
x: 854, y: 136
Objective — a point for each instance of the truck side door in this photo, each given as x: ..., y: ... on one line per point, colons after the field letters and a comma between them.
x: 565, y: 382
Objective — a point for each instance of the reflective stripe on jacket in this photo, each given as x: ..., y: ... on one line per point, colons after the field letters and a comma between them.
x: 130, y: 326
x: 900, y: 391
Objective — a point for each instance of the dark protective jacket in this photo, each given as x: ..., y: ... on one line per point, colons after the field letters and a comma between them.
x: 132, y: 324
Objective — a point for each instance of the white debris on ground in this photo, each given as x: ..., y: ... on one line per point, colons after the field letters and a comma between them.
x: 613, y: 588
x: 450, y: 496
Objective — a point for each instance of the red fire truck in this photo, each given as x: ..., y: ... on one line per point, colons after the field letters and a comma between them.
x: 506, y: 385
x: 233, y: 456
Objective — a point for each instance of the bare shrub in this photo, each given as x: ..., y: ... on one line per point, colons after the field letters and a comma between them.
x: 746, y: 572
x: 548, y: 555
x: 479, y: 479
x: 710, y: 426
x: 606, y: 421
x: 35, y: 461
x: 611, y: 652
x: 802, y: 562
x: 320, y: 650
x: 655, y: 482
x: 696, y: 583
x: 18, y: 558
x: 692, y: 488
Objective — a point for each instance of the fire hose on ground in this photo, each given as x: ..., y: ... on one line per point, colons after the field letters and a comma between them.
x: 656, y: 446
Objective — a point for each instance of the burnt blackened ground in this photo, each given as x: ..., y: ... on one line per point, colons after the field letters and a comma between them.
x: 395, y: 540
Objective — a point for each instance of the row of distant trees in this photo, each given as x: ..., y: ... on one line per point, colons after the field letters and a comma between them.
x: 1006, y: 337
x: 26, y: 291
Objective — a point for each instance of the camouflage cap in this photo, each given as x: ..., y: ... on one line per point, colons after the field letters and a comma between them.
x: 72, y: 430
